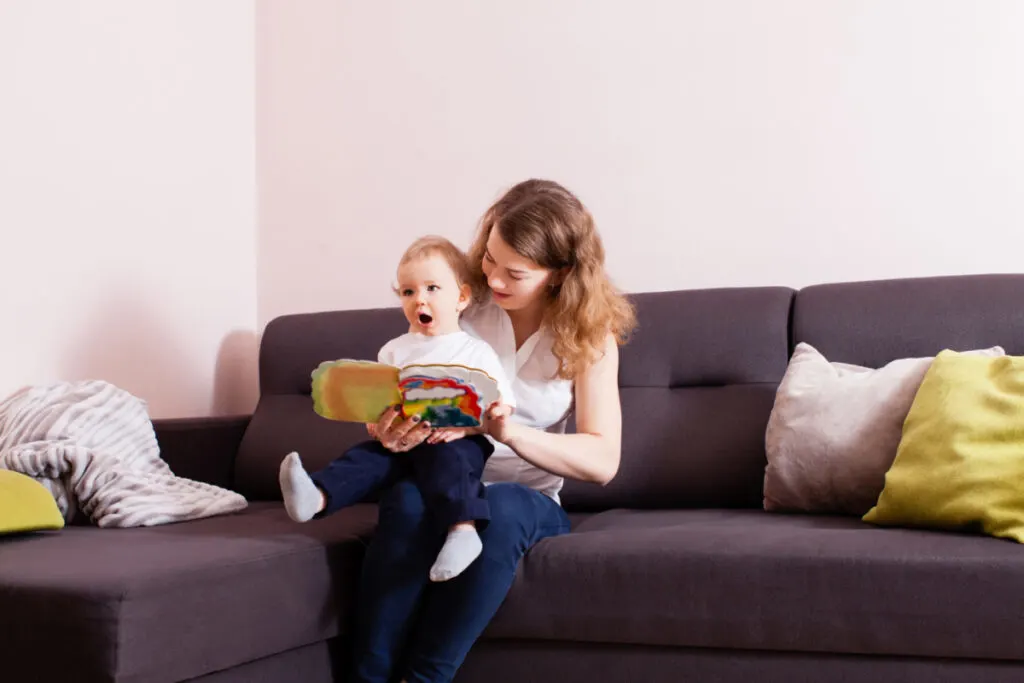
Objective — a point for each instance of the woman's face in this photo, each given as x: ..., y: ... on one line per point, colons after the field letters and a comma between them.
x: 516, y: 282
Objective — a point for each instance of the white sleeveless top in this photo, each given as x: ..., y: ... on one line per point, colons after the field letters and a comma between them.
x: 543, y: 400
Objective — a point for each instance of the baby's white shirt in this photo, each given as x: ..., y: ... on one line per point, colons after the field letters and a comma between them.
x: 459, y: 348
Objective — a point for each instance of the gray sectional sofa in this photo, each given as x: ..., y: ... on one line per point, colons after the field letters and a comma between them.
x: 673, y: 572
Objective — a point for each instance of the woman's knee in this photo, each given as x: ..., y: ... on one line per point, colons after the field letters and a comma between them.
x: 518, y: 511
x: 508, y: 501
x: 510, y: 528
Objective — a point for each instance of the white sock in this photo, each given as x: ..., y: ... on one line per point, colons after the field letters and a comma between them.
x: 302, y: 498
x: 462, y: 546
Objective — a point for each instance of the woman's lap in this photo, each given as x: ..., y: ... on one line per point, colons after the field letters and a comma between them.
x: 427, y: 629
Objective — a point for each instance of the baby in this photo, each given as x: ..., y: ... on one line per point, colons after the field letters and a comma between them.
x: 433, y: 285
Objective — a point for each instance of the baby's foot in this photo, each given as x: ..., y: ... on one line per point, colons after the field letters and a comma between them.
x: 460, y: 549
x: 302, y: 498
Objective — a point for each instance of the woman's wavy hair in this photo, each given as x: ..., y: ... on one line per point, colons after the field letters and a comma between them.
x: 547, y: 224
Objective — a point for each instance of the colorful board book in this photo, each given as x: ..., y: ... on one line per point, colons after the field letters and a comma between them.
x: 443, y: 395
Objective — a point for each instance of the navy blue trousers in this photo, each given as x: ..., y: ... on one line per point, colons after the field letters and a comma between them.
x: 447, y: 475
x: 410, y: 629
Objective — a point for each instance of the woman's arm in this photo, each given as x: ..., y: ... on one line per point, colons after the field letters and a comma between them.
x: 593, y: 453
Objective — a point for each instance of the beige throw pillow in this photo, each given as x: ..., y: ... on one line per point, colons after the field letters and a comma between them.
x: 834, y: 430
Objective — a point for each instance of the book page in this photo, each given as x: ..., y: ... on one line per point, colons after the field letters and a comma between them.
x: 447, y: 395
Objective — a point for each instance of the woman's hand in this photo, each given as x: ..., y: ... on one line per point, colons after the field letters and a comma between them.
x: 497, y: 423
x: 494, y: 424
x: 594, y: 451
x: 400, y: 435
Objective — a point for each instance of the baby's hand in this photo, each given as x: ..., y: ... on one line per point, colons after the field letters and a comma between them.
x: 447, y: 434
x: 371, y: 429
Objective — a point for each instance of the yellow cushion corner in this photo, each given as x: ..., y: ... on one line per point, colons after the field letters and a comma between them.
x: 960, y: 461
x: 26, y: 505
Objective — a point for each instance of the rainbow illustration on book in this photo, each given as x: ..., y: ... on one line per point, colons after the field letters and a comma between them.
x: 443, y: 395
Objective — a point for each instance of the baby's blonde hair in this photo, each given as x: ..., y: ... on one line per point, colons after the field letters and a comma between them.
x: 435, y: 244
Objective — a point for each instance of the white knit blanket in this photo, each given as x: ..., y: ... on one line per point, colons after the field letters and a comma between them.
x: 93, y: 446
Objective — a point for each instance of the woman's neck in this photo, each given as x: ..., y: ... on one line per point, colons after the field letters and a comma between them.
x: 525, y: 322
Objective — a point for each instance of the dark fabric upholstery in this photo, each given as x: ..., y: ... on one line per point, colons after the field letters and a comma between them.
x: 872, y: 323
x: 700, y: 447
x: 670, y: 580
x: 316, y: 663
x: 202, y: 448
x: 754, y: 580
x: 720, y: 338
x: 708, y: 337
x: 566, y: 662
x: 173, y: 602
x: 284, y: 423
x: 698, y: 380
x: 715, y: 456
x: 691, y: 338
x: 293, y: 345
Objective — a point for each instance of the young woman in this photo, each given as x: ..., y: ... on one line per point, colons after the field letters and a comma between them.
x: 546, y: 306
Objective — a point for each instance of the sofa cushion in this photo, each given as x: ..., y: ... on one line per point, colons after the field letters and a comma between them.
x: 959, y: 464
x: 26, y: 505
x: 834, y: 431
x: 698, y: 378
x: 294, y: 345
x: 756, y: 580
x: 505, y: 661
x: 708, y: 338
x: 171, y: 602
x: 872, y: 323
x: 694, y: 447
x: 284, y: 420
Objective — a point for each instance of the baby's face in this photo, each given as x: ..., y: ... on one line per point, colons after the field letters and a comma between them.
x: 431, y: 296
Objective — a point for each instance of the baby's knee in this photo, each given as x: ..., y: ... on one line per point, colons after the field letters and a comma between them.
x: 401, y: 507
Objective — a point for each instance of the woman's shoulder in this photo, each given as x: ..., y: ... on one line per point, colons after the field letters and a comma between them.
x: 482, y: 320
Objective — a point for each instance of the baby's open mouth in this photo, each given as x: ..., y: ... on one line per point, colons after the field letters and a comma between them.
x: 426, y: 319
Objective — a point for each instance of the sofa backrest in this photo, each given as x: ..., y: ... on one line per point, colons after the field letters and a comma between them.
x: 284, y: 421
x: 873, y: 323
x: 697, y: 380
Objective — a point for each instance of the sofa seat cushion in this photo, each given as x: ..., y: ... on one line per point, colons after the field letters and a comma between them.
x: 757, y: 580
x: 172, y: 602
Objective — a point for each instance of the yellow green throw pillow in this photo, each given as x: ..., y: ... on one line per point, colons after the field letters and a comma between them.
x: 26, y: 505
x: 960, y: 461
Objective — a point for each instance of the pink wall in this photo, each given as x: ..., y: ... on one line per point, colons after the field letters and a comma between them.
x: 127, y: 199
x: 175, y: 174
x: 719, y: 143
